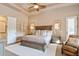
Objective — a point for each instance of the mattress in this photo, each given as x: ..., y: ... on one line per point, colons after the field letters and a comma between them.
x: 27, y: 51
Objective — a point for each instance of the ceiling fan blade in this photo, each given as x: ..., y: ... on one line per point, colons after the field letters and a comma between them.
x: 42, y: 6
x: 31, y: 7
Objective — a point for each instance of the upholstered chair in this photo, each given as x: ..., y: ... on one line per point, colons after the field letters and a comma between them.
x: 71, y: 47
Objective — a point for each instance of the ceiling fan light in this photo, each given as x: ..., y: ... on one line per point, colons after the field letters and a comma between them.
x: 36, y: 6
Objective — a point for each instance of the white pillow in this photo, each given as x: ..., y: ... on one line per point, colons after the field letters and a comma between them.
x: 43, y: 32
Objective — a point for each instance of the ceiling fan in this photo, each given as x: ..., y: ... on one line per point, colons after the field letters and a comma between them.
x: 36, y: 7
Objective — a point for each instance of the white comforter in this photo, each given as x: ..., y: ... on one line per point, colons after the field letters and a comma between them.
x: 34, y: 38
x: 37, y: 38
x: 26, y: 51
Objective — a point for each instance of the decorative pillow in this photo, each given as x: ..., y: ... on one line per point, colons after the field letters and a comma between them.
x: 37, y: 32
x: 48, y: 37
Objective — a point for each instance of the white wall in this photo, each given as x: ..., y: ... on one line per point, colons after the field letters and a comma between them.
x: 52, y: 16
x: 22, y: 19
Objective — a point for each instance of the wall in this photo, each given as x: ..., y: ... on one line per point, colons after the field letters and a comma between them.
x: 22, y: 19
x: 52, y: 16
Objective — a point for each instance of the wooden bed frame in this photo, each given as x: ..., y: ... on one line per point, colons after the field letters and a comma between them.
x: 48, y: 27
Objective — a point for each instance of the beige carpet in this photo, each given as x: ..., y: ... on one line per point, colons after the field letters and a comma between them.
x: 7, y: 53
x: 58, y: 52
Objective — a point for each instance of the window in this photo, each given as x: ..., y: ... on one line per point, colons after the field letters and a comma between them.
x: 71, y: 25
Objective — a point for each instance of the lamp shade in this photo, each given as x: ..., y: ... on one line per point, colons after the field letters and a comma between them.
x: 32, y: 26
x: 57, y: 26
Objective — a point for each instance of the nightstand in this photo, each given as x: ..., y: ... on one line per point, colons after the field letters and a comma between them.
x: 56, y: 39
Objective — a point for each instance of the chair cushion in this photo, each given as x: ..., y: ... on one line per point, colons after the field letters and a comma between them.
x: 74, y: 42
x: 75, y: 45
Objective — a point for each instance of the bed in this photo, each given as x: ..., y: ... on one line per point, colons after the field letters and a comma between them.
x: 34, y: 45
x: 19, y: 50
x: 40, y: 39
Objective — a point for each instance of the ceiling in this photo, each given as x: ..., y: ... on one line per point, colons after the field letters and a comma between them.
x: 23, y: 7
x: 26, y: 6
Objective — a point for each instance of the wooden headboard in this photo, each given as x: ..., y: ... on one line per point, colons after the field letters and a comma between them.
x: 49, y: 27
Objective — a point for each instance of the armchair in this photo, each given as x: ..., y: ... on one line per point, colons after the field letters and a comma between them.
x: 71, y: 47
